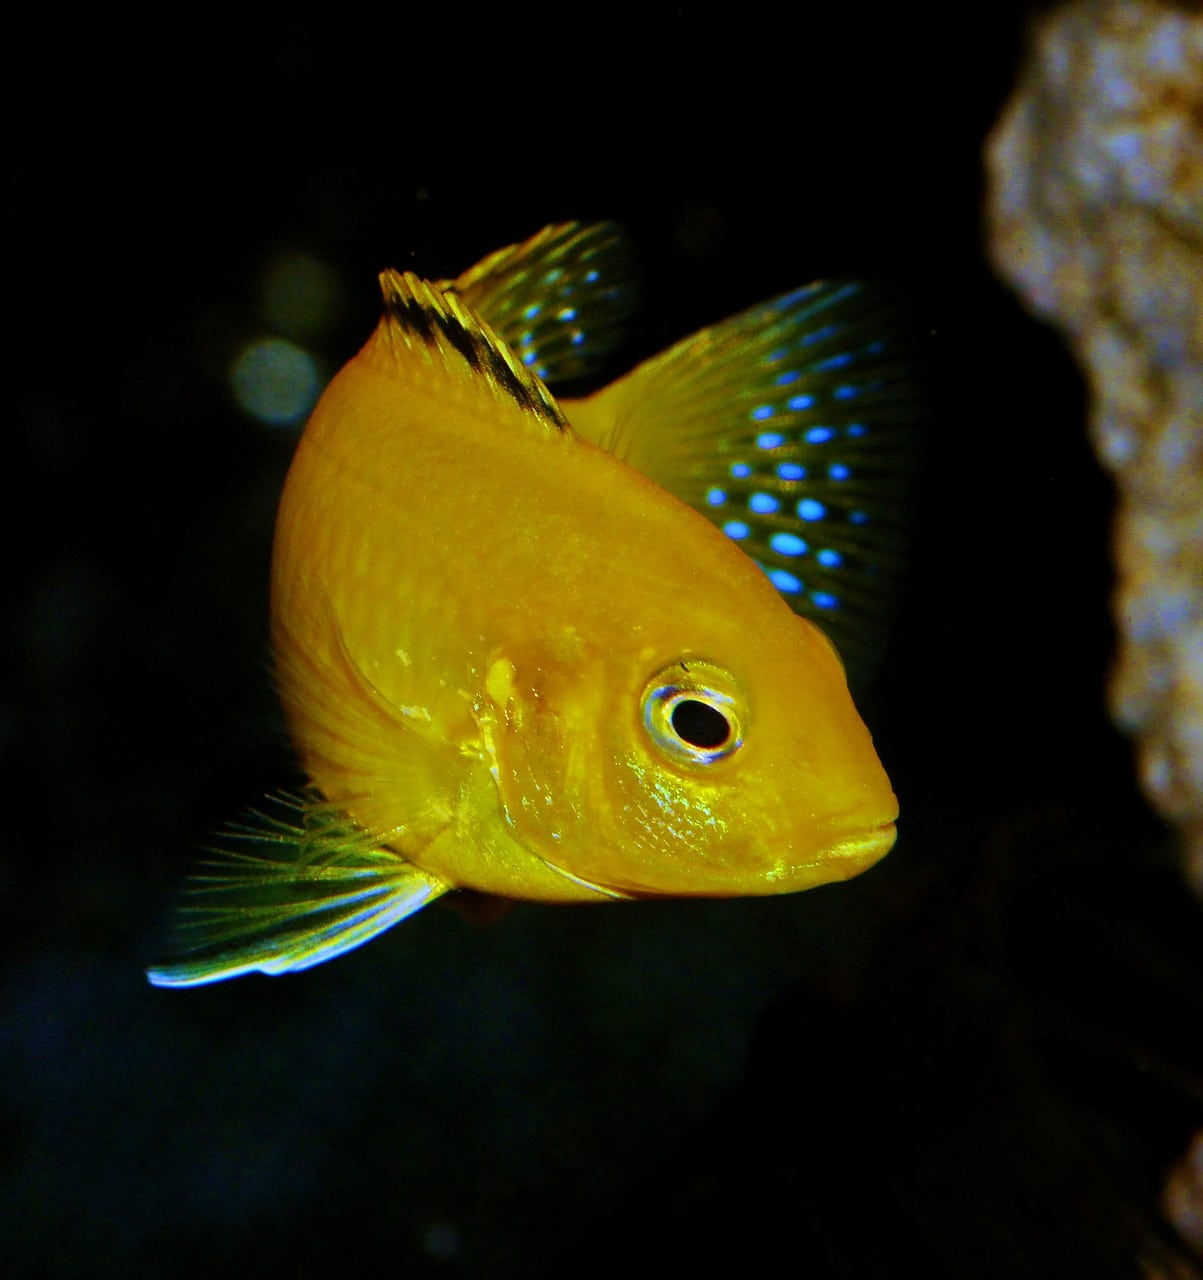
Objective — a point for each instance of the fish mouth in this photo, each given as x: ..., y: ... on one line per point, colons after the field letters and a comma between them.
x: 839, y: 861
x: 866, y: 847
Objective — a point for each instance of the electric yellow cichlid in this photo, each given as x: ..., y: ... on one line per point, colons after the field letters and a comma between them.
x: 546, y: 651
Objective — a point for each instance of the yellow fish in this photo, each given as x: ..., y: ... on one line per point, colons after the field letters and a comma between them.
x: 545, y: 650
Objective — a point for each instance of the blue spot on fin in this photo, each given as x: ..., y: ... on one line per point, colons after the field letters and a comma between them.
x: 560, y: 300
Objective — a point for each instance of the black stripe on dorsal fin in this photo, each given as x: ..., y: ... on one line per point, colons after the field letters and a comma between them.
x: 420, y: 316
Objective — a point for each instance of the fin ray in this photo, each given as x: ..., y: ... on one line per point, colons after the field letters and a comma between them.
x: 422, y: 318
x: 301, y: 890
x: 560, y: 299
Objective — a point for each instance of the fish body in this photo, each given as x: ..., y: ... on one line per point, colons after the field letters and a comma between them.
x: 516, y: 662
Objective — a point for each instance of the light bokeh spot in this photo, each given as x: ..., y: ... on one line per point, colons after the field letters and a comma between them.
x: 275, y: 381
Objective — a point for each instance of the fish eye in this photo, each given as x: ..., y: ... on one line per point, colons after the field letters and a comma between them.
x: 690, y: 712
x: 700, y: 724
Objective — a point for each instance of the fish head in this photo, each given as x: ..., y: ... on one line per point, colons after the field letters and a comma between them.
x: 699, y: 752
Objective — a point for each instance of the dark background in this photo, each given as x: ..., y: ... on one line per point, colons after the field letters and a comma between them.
x: 975, y: 1061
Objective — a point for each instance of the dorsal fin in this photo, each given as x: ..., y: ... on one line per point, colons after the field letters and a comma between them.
x: 559, y: 299
x: 421, y: 318
x: 793, y: 427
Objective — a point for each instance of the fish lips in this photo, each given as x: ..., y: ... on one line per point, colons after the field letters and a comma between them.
x: 840, y: 860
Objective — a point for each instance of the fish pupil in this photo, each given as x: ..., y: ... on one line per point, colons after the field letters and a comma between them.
x: 700, y: 724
